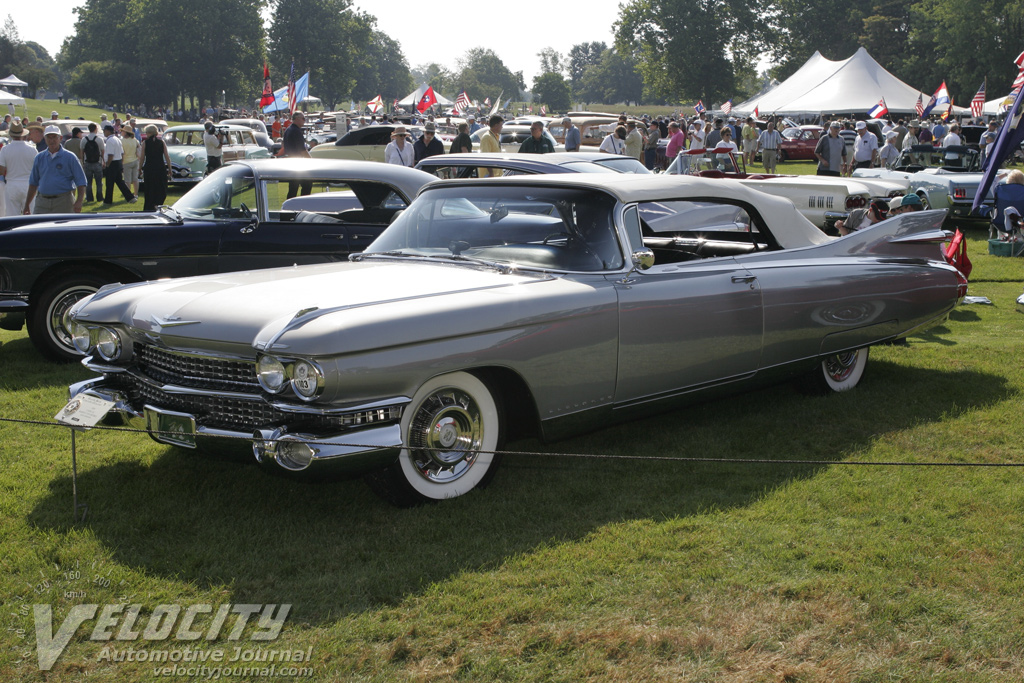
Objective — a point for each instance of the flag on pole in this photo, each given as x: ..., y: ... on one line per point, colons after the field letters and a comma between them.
x: 282, y: 98
x: 376, y: 104
x: 487, y: 101
x: 268, y: 90
x: 979, y: 101
x: 949, y: 111
x: 395, y: 105
x: 1019, y: 81
x: 919, y: 107
x: 427, y: 101
x: 1009, y: 138
x: 938, y: 99
x: 757, y: 112
x: 462, y: 102
x: 879, y: 110
x: 727, y: 107
x: 543, y: 110
x: 699, y: 107
x: 292, y: 100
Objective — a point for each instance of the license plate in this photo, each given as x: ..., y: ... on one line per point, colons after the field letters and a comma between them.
x: 176, y: 429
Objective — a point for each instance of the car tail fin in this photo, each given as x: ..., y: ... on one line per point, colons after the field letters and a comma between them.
x: 917, y: 235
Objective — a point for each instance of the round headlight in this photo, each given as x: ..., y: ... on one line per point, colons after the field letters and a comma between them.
x: 307, y: 380
x: 80, y: 337
x: 190, y: 158
x: 108, y: 344
x: 270, y: 373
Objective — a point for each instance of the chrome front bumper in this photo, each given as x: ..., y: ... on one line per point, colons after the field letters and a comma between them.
x: 351, y: 451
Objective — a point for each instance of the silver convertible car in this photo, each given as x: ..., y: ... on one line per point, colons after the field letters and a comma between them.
x: 543, y: 305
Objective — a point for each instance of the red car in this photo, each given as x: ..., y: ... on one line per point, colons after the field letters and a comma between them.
x: 799, y: 143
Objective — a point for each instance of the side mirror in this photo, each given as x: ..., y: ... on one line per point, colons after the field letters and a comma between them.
x: 643, y: 259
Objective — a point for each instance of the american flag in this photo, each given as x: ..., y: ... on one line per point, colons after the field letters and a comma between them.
x: 1019, y: 81
x: 543, y: 110
x: 291, y: 91
x: 919, y: 107
x: 727, y: 107
x: 462, y: 102
x: 699, y: 107
x: 979, y: 101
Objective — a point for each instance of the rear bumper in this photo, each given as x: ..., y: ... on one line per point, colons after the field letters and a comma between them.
x: 351, y: 451
x: 959, y: 208
x: 13, y: 308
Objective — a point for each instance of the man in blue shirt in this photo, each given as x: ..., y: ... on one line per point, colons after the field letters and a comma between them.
x: 56, y: 172
x: 572, y: 135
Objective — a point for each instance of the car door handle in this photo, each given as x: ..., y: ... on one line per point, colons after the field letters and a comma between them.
x: 744, y: 278
x: 333, y: 235
x: 363, y: 237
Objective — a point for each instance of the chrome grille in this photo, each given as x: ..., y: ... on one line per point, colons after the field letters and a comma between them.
x: 205, y: 372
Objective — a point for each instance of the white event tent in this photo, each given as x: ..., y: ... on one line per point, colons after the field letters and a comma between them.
x: 823, y: 86
x: 8, y: 98
x: 12, y: 81
x: 412, y: 98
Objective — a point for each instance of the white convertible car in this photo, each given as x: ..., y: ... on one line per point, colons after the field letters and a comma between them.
x: 820, y: 199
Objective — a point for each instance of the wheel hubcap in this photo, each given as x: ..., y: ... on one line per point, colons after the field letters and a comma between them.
x: 59, y: 321
x: 445, y: 435
x: 840, y: 366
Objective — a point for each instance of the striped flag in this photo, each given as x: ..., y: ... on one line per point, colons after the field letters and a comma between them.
x: 291, y: 91
x: 462, y: 102
x: 879, y: 110
x: 978, y: 102
x: 919, y: 107
x: 699, y: 107
x: 543, y: 110
x: 1019, y: 81
x: 727, y: 107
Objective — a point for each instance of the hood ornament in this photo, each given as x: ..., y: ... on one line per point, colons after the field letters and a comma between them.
x: 171, y: 321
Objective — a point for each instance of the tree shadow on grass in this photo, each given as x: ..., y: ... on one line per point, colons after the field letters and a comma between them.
x: 24, y: 367
x: 334, y: 548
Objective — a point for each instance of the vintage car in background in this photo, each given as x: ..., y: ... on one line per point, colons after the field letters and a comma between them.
x: 187, y: 151
x: 503, y: 307
x: 259, y: 132
x: 367, y: 144
x: 798, y: 143
x: 820, y: 199
x: 512, y: 138
x: 512, y: 163
x: 67, y: 125
x: 141, y: 123
x: 233, y: 220
x: 943, y: 177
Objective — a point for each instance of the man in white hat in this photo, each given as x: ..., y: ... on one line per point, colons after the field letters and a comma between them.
x: 865, y: 148
x: 56, y: 174
x: 473, y: 125
x: 16, y: 159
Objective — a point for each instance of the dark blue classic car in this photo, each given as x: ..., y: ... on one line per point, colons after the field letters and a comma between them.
x: 233, y: 220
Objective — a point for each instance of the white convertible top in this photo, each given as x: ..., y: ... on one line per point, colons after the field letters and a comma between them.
x: 785, y: 223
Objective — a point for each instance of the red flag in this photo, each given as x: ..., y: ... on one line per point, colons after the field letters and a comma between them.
x: 427, y: 101
x: 757, y: 112
x: 956, y: 254
x: 268, y: 90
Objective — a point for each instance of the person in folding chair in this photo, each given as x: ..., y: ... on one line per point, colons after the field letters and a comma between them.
x: 1008, y: 195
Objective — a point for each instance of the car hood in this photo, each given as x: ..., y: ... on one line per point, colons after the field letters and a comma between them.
x: 77, y: 220
x: 307, y: 309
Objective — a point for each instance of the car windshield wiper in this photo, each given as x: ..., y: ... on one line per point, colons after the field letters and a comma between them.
x: 501, y: 267
x: 400, y: 254
x: 171, y: 213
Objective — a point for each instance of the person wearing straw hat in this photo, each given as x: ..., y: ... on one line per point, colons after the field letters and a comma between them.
x: 399, y: 151
x: 56, y: 174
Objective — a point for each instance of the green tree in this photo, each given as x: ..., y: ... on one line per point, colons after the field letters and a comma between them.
x: 383, y: 70
x: 551, y: 61
x: 436, y: 76
x: 581, y: 56
x: 614, y: 78
x: 324, y: 37
x: 482, y: 71
x: 553, y: 90
x: 686, y: 50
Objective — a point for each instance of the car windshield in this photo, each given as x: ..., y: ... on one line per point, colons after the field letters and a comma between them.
x: 957, y: 159
x: 532, y: 227
x: 228, y: 194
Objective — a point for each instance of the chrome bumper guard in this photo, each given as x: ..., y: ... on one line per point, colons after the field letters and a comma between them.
x: 353, y: 450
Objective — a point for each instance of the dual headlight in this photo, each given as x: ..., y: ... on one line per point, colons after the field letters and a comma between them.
x: 108, y: 343
x: 305, y: 377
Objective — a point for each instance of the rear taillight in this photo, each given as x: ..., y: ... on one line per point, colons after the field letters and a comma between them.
x: 855, y: 202
x: 959, y: 193
x: 961, y: 286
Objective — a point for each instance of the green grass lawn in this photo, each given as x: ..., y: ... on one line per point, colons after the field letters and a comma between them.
x: 571, y: 569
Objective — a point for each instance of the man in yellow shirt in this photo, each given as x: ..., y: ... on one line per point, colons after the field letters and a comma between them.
x: 490, y: 142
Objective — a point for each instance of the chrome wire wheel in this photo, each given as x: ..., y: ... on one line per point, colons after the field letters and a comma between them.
x: 57, y: 314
